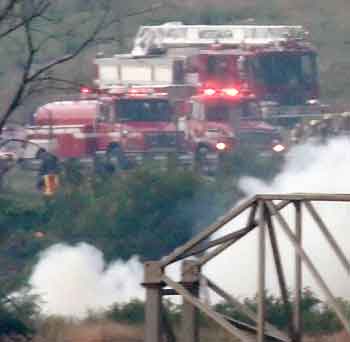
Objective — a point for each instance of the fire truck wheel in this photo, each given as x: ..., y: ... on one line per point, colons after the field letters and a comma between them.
x: 116, y: 158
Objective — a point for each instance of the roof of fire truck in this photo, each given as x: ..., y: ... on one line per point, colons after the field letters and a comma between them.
x: 135, y: 91
x: 176, y: 34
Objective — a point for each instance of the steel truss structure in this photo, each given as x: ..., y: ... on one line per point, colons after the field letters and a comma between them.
x: 264, y: 215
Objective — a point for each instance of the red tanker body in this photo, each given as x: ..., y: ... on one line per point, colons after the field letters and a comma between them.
x: 129, y: 126
x: 66, y: 113
x: 65, y: 128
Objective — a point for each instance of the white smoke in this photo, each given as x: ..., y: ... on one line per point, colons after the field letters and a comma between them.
x: 309, y: 168
x: 75, y: 279
x: 71, y: 280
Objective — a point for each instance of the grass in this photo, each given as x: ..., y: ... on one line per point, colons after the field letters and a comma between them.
x: 60, y: 330
x: 57, y: 329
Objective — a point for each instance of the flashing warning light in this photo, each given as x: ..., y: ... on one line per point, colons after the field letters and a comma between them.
x: 140, y: 91
x: 209, y: 92
x: 278, y: 148
x: 146, y: 91
x: 85, y: 90
x: 230, y: 91
x: 221, y: 146
x: 137, y: 91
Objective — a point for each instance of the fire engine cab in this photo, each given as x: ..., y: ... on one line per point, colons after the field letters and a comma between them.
x: 220, y: 119
x: 277, y: 64
x: 140, y: 124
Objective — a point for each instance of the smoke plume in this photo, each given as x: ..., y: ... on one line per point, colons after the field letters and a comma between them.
x: 71, y: 280
x: 309, y: 168
x: 74, y: 279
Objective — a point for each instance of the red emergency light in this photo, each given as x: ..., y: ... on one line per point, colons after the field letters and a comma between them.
x: 146, y: 91
x: 85, y: 90
x: 231, y: 92
x: 209, y: 92
x: 140, y: 91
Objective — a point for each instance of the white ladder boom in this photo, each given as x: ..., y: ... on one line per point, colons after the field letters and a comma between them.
x: 176, y: 34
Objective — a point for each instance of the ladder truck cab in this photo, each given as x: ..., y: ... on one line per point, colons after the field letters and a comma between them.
x: 277, y: 64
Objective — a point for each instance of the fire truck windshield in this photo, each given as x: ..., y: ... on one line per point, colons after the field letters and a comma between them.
x: 259, y: 138
x: 223, y: 68
x: 286, y: 69
x: 222, y: 112
x: 143, y: 110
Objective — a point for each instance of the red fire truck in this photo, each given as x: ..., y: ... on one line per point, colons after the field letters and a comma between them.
x: 219, y: 119
x: 130, y: 125
x: 275, y: 63
x: 135, y: 124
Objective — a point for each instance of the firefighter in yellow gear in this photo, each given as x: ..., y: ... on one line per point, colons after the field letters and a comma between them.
x: 51, y: 183
x: 48, y: 181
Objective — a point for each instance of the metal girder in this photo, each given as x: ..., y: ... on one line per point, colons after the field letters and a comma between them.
x: 206, y: 309
x: 271, y: 330
x: 261, y: 272
x: 321, y: 197
x: 187, y: 249
x: 206, y: 233
x: 263, y: 213
x: 319, y: 280
x: 229, y: 238
x: 297, y: 319
x: 279, y: 269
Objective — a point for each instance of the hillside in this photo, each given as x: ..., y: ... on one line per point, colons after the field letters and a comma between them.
x: 145, y: 212
x: 327, y: 22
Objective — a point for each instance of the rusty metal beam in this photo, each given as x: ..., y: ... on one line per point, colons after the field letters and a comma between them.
x: 271, y: 330
x: 316, y: 275
x: 232, y: 237
x: 178, y: 252
x: 153, y: 306
x: 206, y: 309
x: 279, y: 269
x: 297, y: 319
x: 250, y: 224
x: 335, y: 246
x: 261, y: 272
x: 317, y: 197
x: 190, y: 275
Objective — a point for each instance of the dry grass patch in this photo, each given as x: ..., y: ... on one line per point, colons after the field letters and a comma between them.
x: 102, y: 331
x: 341, y: 337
